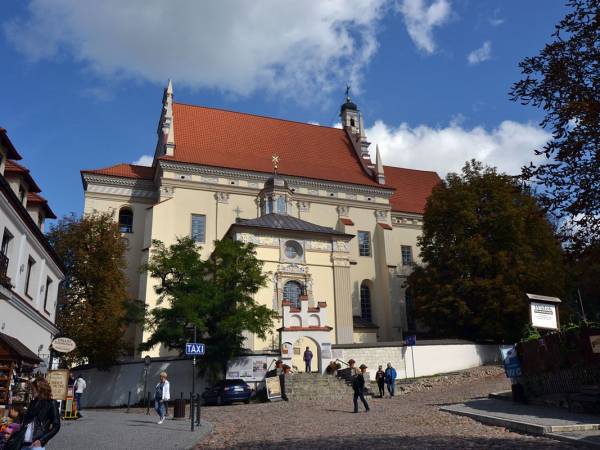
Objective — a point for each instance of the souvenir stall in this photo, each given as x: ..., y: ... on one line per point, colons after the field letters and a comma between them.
x: 17, y: 364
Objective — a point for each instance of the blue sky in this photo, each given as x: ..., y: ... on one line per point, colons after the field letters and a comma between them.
x: 82, y: 80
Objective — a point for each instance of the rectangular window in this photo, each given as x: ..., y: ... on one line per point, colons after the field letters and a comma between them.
x: 48, y: 283
x: 198, y: 227
x: 30, y: 264
x: 21, y: 193
x: 364, y: 243
x: 6, y: 238
x: 410, y: 311
x: 407, y: 256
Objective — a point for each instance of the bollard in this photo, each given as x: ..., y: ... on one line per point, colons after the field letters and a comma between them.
x: 148, y: 404
x: 198, y: 409
x: 128, y: 401
x: 191, y: 403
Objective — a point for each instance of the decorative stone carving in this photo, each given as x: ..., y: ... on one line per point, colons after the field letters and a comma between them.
x: 343, y: 210
x: 206, y: 179
x: 303, y: 206
x: 318, y: 245
x: 292, y: 268
x: 313, y: 192
x: 222, y: 197
x: 167, y: 191
x: 246, y: 238
x: 340, y: 246
x: 381, y: 215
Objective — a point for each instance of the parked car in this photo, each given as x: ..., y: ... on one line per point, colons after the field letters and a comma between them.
x: 227, y: 391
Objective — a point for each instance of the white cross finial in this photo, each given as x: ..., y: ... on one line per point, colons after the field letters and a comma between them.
x: 275, y: 160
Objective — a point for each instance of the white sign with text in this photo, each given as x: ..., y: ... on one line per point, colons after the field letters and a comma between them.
x: 543, y: 315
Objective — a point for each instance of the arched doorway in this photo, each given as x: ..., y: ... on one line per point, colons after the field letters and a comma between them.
x: 298, y: 354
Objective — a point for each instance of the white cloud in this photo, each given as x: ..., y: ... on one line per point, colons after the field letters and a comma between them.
x: 496, y: 22
x: 421, y: 19
x: 236, y: 46
x: 144, y: 160
x: 480, y: 54
x: 508, y: 146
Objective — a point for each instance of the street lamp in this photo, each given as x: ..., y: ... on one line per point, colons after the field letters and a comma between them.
x: 147, y: 362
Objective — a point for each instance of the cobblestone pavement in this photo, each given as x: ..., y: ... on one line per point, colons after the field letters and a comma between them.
x: 409, y: 421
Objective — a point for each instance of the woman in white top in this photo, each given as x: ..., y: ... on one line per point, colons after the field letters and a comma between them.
x: 161, y: 396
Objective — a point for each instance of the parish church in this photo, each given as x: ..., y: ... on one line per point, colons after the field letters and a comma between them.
x: 336, y: 231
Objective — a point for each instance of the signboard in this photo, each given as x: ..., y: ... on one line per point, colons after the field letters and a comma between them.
x: 512, y: 366
x: 248, y: 368
x: 411, y: 340
x: 63, y: 345
x: 595, y: 343
x: 59, y: 382
x: 194, y: 349
x: 273, y: 388
x: 326, y: 350
x: 543, y: 315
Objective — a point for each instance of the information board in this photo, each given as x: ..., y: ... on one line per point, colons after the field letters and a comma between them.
x: 543, y: 315
x: 59, y: 382
x: 273, y: 387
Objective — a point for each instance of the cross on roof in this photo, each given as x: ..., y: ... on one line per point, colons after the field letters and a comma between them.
x: 275, y: 160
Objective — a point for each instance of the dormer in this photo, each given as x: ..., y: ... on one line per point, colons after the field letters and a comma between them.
x: 38, y: 209
x: 275, y: 197
x: 7, y: 150
x: 20, y: 180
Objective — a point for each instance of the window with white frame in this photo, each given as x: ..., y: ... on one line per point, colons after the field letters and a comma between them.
x: 407, y: 255
x: 199, y: 228
x: 364, y: 243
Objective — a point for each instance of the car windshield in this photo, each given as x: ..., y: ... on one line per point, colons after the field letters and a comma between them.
x: 235, y: 383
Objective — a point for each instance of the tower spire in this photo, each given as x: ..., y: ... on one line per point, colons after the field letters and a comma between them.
x: 379, y: 166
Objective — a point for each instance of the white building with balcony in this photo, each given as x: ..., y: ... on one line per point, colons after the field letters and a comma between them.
x: 30, y: 270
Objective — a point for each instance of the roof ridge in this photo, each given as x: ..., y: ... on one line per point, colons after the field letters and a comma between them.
x: 409, y: 168
x: 262, y: 116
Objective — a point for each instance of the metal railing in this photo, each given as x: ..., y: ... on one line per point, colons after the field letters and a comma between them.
x: 4, y: 280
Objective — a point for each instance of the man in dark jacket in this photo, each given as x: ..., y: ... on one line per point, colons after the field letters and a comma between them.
x: 308, y: 356
x: 358, y: 385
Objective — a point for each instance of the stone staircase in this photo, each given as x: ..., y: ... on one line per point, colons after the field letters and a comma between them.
x: 314, y: 386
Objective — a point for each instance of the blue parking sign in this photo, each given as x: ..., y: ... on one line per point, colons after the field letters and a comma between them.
x: 194, y: 348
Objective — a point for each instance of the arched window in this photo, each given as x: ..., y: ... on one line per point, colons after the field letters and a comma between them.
x: 281, y: 206
x: 365, y: 301
x: 125, y: 220
x: 293, y: 250
x: 292, y: 290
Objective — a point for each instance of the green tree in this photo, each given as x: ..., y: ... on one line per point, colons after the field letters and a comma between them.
x: 485, y: 243
x: 564, y: 80
x: 215, y: 295
x: 584, y: 280
x: 93, y: 305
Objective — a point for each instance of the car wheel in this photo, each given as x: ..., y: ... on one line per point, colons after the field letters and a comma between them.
x: 247, y: 401
x: 219, y: 400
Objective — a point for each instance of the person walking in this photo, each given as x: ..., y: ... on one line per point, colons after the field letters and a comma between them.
x: 41, y: 421
x: 280, y: 371
x: 358, y: 385
x: 162, y: 395
x: 390, y: 379
x: 79, y: 386
x: 380, y: 379
x: 308, y: 356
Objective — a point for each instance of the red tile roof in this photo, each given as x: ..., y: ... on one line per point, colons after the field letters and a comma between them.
x: 12, y: 167
x: 413, y: 187
x: 36, y: 199
x: 385, y: 226
x: 346, y: 221
x: 11, y: 151
x: 234, y: 140
x: 125, y: 171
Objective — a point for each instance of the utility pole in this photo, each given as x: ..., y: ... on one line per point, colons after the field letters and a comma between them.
x: 581, y: 306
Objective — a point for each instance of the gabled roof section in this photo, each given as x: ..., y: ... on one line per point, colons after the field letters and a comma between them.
x: 413, y: 188
x: 17, y: 350
x: 14, y: 168
x: 125, y: 171
x: 12, y: 152
x: 234, y: 140
x: 36, y: 199
x: 288, y: 223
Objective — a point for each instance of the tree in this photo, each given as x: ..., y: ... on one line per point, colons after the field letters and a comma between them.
x: 93, y: 306
x: 215, y: 295
x: 485, y: 243
x: 584, y: 281
x: 564, y: 80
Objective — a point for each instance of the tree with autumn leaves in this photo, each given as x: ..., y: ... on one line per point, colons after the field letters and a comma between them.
x: 94, y: 307
x: 485, y: 243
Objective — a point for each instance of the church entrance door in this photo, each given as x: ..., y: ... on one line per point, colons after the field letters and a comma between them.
x: 300, y: 345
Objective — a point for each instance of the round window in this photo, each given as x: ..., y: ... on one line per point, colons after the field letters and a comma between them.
x: 293, y: 250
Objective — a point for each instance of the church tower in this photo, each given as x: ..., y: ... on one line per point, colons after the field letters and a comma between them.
x: 352, y: 122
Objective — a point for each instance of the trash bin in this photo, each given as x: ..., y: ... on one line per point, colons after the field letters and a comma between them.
x: 179, y: 409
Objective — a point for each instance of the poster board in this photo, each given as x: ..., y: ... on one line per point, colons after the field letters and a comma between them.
x: 248, y: 368
x: 326, y: 350
x: 273, y: 385
x: 595, y: 343
x: 544, y: 315
x: 59, y: 382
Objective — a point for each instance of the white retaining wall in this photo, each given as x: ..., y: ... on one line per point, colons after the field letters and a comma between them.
x: 429, y: 359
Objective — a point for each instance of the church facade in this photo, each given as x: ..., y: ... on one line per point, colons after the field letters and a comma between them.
x: 336, y: 231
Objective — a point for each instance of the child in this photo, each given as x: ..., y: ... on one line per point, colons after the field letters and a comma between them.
x: 13, y: 425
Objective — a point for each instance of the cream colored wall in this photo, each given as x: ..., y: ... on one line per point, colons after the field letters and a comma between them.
x: 171, y: 217
x: 361, y: 337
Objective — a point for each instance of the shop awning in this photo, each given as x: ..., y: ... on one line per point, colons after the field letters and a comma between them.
x: 13, y: 349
